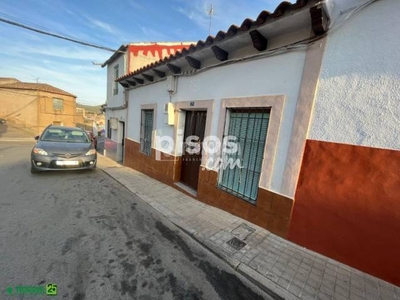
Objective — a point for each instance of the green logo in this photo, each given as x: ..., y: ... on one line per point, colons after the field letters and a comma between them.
x: 9, y: 290
x: 51, y: 289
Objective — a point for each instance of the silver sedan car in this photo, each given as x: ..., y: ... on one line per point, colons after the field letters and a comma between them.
x: 63, y: 148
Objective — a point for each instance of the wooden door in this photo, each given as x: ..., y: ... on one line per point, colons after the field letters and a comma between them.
x: 195, y: 124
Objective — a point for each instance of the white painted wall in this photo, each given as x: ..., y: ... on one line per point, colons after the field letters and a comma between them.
x: 276, y: 75
x: 114, y: 146
x: 358, y: 99
x: 115, y: 100
x: 151, y: 94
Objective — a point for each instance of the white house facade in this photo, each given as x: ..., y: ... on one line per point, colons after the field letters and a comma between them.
x: 289, y: 121
x: 245, y: 83
x: 347, y: 199
x: 125, y: 60
x: 117, y: 65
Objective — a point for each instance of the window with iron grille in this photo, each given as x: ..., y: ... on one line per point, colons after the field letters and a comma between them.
x: 116, y: 75
x: 249, y: 126
x: 58, y: 104
x: 109, y: 129
x: 146, y: 131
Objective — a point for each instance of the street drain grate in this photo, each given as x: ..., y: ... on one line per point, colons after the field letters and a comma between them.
x: 236, y: 243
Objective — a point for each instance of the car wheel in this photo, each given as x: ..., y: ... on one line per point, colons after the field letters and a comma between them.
x: 33, y: 170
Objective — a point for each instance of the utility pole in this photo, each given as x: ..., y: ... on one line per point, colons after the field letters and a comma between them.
x: 210, y: 13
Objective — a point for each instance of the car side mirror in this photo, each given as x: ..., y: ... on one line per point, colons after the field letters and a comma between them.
x: 36, y: 137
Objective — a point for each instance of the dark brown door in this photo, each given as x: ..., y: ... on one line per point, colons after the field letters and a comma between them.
x: 195, y: 125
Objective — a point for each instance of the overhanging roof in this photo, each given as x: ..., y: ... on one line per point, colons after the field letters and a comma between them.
x: 286, y: 18
x: 44, y: 87
x: 116, y: 54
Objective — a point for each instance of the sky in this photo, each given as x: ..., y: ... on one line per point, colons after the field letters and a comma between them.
x: 34, y: 57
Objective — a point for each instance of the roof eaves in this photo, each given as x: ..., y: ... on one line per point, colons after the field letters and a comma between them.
x: 117, y: 53
x: 36, y: 87
x: 263, y: 18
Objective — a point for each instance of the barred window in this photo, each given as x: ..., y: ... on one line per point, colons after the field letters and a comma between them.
x: 116, y: 75
x: 58, y: 104
x: 146, y: 131
x: 249, y: 127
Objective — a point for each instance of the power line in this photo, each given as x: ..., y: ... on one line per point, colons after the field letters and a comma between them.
x: 27, y: 23
x: 56, y: 35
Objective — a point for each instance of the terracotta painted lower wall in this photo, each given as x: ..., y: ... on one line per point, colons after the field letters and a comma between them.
x: 347, y: 206
x: 166, y: 170
x: 272, y: 211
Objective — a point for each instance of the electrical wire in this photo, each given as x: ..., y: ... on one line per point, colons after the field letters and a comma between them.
x: 65, y: 103
x: 20, y: 108
x: 70, y: 39
x: 14, y: 91
x: 351, y: 12
x: 28, y: 23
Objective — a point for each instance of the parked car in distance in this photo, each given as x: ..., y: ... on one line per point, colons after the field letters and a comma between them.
x: 2, y: 121
x: 63, y: 148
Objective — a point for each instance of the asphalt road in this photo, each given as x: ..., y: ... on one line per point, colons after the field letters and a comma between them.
x: 86, y: 233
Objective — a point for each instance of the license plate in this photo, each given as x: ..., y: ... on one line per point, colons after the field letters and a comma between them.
x: 67, y: 163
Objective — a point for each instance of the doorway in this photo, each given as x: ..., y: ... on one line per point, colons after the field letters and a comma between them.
x: 122, y: 128
x: 195, y: 124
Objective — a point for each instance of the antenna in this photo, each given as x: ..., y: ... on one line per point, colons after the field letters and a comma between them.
x: 210, y: 12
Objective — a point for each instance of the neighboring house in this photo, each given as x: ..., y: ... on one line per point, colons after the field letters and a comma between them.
x: 310, y: 92
x: 127, y: 59
x: 35, y: 105
x: 89, y: 120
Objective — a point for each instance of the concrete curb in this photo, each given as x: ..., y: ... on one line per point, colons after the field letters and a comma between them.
x: 262, y: 282
x: 280, y: 268
x: 266, y: 283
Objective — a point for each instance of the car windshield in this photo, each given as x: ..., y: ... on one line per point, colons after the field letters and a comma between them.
x: 65, y: 135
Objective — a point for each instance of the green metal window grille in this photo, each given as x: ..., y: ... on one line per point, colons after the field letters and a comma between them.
x: 147, y: 130
x: 249, y: 126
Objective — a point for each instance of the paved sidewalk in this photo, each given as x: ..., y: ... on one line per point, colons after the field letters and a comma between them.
x: 290, y: 271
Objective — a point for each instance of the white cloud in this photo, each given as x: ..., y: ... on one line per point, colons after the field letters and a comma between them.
x: 79, y: 77
x: 103, y: 25
x: 197, y: 12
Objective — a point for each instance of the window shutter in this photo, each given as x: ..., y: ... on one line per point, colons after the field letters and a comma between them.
x: 147, y: 131
x: 250, y: 127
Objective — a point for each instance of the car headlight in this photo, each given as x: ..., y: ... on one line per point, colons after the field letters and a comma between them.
x: 39, y: 151
x: 91, y: 152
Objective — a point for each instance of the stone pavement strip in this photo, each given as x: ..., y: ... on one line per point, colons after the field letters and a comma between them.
x: 290, y: 271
